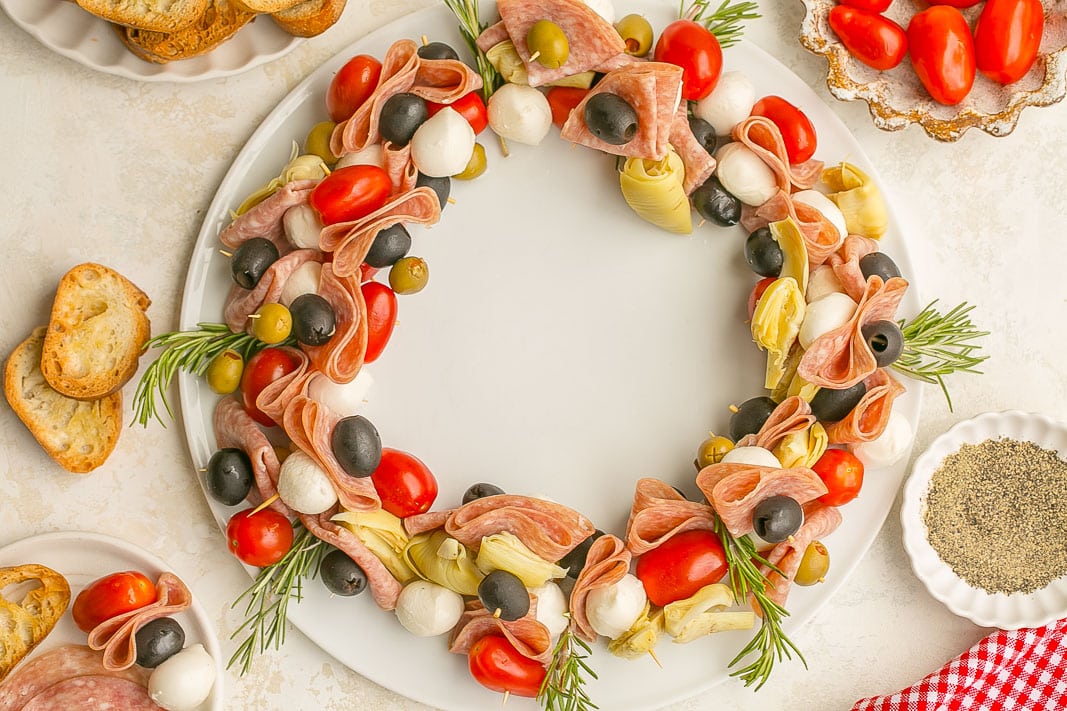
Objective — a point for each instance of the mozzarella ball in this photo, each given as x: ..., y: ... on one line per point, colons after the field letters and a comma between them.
x: 824, y: 315
x: 551, y: 608
x: 304, y: 486
x: 184, y: 681
x: 303, y: 280
x: 302, y: 226
x: 745, y: 175
x: 519, y: 113
x: 613, y: 609
x: 343, y: 398
x: 813, y: 198
x: 728, y: 104
x: 759, y: 456
x: 427, y: 610
x: 822, y: 281
x: 890, y: 446
x: 442, y: 145
x: 371, y: 155
x: 604, y: 8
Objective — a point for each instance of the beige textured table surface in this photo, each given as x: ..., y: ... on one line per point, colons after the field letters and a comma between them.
x: 98, y: 167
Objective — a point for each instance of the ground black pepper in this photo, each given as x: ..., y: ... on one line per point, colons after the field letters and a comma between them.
x: 996, y: 513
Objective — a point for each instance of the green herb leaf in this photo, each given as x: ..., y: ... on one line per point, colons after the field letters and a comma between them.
x: 564, y: 686
x: 470, y: 26
x: 725, y: 22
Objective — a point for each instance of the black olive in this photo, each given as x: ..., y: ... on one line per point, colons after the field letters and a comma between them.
x: 878, y: 263
x: 356, y: 445
x: 704, y: 132
x: 314, y: 320
x: 480, y: 491
x: 341, y: 575
x: 575, y: 560
x: 158, y: 641
x: 504, y: 595
x: 750, y: 416
x: 831, y: 405
x: 251, y: 259
x: 610, y: 118
x: 389, y: 245
x: 885, y: 341
x: 715, y: 203
x: 229, y: 476
x: 776, y: 518
x: 401, y: 115
x: 763, y: 253
x: 441, y: 186
x: 437, y: 50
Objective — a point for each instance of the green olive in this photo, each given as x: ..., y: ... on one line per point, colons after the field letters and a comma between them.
x: 272, y: 323
x: 475, y: 166
x: 548, y: 44
x: 814, y: 564
x: 224, y: 372
x: 318, y: 142
x: 636, y: 32
x: 712, y: 449
x: 409, y: 275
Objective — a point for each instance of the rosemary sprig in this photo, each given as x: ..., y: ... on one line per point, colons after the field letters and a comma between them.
x: 470, y: 26
x: 725, y: 22
x: 770, y: 644
x: 563, y: 687
x: 268, y: 597
x: 936, y: 345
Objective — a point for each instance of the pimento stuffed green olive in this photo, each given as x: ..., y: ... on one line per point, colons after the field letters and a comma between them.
x: 496, y: 664
x: 679, y: 567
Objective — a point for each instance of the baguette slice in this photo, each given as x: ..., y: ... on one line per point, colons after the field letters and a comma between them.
x: 266, y: 6
x: 78, y: 434
x: 309, y: 18
x: 27, y: 621
x: 156, y: 15
x: 220, y: 22
x: 96, y: 333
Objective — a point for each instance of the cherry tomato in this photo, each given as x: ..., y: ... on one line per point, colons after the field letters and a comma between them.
x: 693, y: 48
x: 870, y: 5
x: 876, y: 41
x: 797, y: 131
x: 757, y: 292
x: 955, y: 3
x: 469, y: 106
x: 562, y: 100
x: 111, y: 596
x: 259, y: 539
x: 1007, y: 37
x: 678, y: 568
x: 350, y: 193
x: 261, y: 370
x: 842, y: 472
x: 497, y: 665
x: 405, y: 485
x: 366, y: 272
x: 351, y: 86
x: 381, y: 317
x: 942, y: 53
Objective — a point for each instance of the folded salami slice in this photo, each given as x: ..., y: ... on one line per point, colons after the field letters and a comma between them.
x: 841, y: 358
x: 421, y: 523
x: 548, y: 529
x: 383, y: 586
x: 93, y: 692
x: 491, y: 36
x: 234, y: 427
x: 759, y: 131
x: 242, y: 303
x: 790, y: 416
x: 699, y: 164
x: 869, y: 417
x: 654, y: 90
x: 529, y: 637
x: 591, y: 38
x: 608, y: 562
x: 659, y: 513
x: 821, y: 237
x: 341, y: 357
x: 115, y: 637
x: 820, y: 520
x: 57, y: 665
x: 846, y: 264
x: 265, y: 219
x: 398, y: 164
x: 735, y: 489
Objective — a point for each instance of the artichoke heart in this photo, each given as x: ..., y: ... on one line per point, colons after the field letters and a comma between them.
x: 859, y: 200
x: 653, y: 188
x: 299, y: 167
x: 794, y: 251
x: 383, y: 533
x: 804, y: 448
x: 437, y: 557
x: 506, y: 60
x: 776, y: 325
x: 704, y: 613
x: 504, y: 551
x: 642, y: 636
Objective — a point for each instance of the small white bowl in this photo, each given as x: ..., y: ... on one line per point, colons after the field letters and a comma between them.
x: 986, y: 609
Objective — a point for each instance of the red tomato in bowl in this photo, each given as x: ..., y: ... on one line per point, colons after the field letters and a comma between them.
x: 796, y: 128
x: 842, y: 472
x: 110, y: 596
x: 1007, y: 37
x: 405, y: 485
x: 469, y: 106
x: 876, y: 41
x: 496, y: 664
x: 259, y: 539
x: 350, y: 193
x: 351, y: 86
x: 942, y: 53
x: 871, y: 5
x: 381, y: 317
x: 692, y: 47
x: 678, y: 568
x: 955, y: 3
x: 261, y: 370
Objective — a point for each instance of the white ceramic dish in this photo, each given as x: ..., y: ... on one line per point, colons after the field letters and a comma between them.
x: 83, y: 557
x: 64, y: 27
x: 562, y: 347
x: 983, y: 608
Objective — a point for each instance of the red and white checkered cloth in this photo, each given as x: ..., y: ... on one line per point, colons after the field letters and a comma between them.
x: 1021, y: 670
